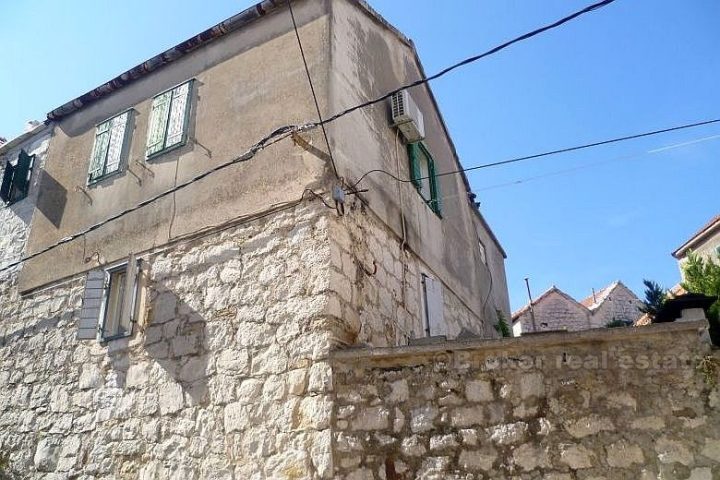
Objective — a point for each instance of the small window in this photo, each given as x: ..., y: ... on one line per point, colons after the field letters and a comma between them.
x: 110, y: 302
x: 16, y: 178
x: 424, y: 176
x: 169, y: 120
x: 483, y: 254
x: 110, y: 148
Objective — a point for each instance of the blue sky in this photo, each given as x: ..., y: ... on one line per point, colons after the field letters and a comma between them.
x: 636, y: 65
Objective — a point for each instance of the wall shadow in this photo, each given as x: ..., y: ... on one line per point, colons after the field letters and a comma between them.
x: 52, y: 197
x: 176, y: 338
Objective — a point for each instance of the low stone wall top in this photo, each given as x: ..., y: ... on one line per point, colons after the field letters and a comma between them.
x: 605, y: 404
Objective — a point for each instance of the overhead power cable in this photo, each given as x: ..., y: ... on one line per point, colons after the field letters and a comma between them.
x: 283, y: 132
x: 475, y: 58
x: 312, y: 89
x: 543, y: 154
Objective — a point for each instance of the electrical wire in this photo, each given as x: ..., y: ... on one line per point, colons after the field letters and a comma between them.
x: 543, y: 154
x: 276, y: 136
x: 472, y: 59
x: 312, y: 89
x: 283, y: 132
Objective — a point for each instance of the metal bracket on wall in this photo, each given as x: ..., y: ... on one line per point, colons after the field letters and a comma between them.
x: 89, y: 198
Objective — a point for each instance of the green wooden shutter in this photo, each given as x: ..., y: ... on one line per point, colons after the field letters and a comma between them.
x: 21, y: 177
x: 436, y: 195
x: 415, y: 172
x: 99, y: 152
x: 116, y: 142
x: 177, y: 123
x: 158, y: 123
x: 7, y: 182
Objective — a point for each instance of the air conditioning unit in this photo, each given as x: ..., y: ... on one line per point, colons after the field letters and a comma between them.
x: 407, y: 116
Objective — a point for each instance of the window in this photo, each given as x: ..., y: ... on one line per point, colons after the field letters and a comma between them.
x: 483, y: 253
x: 16, y: 178
x: 169, y: 120
x: 433, y: 306
x: 424, y: 177
x: 110, y: 302
x: 110, y: 147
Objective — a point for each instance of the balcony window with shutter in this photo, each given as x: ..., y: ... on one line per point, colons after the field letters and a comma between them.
x: 110, y: 302
x: 16, y: 178
x: 169, y: 120
x: 424, y: 176
x: 110, y: 148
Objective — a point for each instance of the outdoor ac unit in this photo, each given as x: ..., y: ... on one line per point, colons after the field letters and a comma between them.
x: 407, y: 116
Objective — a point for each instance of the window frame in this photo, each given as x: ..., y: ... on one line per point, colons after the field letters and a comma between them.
x: 124, y: 148
x: 103, y: 320
x: 186, y: 120
x: 12, y: 181
x: 434, y: 202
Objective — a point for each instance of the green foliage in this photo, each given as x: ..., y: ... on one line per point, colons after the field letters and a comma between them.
x: 614, y: 323
x: 502, y: 326
x: 655, y: 297
x: 703, y: 276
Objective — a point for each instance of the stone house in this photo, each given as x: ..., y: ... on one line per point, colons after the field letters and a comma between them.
x: 186, y: 274
x: 556, y: 310
x: 705, y: 242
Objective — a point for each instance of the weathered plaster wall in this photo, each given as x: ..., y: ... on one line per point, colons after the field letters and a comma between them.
x: 708, y: 248
x: 225, y: 377
x: 248, y: 84
x: 368, y: 60
x: 601, y: 405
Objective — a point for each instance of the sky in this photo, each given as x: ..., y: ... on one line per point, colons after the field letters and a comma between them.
x: 578, y: 220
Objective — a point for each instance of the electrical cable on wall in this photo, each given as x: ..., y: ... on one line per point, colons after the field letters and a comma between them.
x: 312, y: 89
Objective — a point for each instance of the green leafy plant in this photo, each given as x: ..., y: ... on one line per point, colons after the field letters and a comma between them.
x: 502, y: 326
x: 702, y: 275
x: 614, y: 323
x: 655, y: 297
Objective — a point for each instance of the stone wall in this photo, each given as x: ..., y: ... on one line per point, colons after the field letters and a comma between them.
x: 224, y: 377
x: 376, y: 285
x: 604, y: 404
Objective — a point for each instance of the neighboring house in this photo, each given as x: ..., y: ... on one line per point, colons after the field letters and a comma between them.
x: 556, y: 310
x: 174, y: 323
x: 705, y: 242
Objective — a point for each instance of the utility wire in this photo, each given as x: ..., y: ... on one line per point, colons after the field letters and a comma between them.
x: 312, y: 89
x: 473, y: 59
x: 544, y: 154
x: 285, y: 131
x: 276, y: 136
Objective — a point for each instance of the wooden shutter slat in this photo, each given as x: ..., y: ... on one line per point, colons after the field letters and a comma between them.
x: 435, y: 307
x: 178, y: 113
x: 21, y: 176
x: 116, y: 142
x: 415, y: 172
x: 158, y: 123
x: 91, y: 307
x: 435, y: 194
x: 99, y: 152
x: 7, y: 183
x: 127, y: 314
